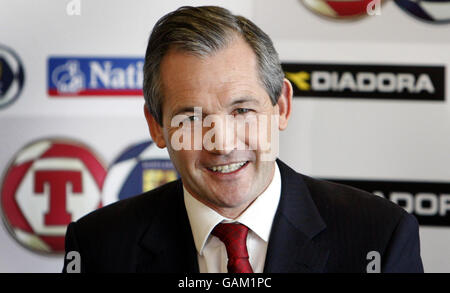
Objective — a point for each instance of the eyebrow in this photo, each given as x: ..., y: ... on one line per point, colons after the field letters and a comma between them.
x: 186, y: 109
x: 246, y: 99
x: 242, y: 100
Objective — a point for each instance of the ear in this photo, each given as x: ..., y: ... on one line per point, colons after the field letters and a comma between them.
x: 155, y: 129
x: 284, y: 104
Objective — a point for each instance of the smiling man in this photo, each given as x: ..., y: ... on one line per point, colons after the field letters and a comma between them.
x: 223, y: 84
x: 216, y: 97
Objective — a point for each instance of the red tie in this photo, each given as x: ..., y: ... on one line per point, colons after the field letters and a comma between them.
x: 234, y: 236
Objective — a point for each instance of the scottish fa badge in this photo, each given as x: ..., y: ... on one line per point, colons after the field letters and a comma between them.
x: 140, y: 168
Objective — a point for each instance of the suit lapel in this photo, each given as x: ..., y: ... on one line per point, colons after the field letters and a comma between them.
x: 296, y: 243
x: 293, y: 245
x: 168, y: 245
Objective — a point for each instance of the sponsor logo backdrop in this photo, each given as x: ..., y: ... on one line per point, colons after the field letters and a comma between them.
x: 371, y: 110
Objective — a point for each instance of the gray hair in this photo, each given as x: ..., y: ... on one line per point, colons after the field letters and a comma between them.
x: 202, y: 31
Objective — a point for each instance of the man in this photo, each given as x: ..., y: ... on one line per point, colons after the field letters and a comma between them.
x: 236, y: 208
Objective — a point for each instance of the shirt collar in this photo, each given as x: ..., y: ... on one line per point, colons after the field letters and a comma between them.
x: 258, y: 217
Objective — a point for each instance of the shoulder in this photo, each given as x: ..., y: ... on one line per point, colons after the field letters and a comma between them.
x: 337, y: 201
x: 116, y: 230
x: 331, y: 196
x: 345, y: 210
x: 354, y: 216
x: 128, y: 214
x: 358, y: 222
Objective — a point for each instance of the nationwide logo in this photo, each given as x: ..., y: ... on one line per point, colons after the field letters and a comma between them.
x: 341, y: 9
x: 85, y: 76
x: 139, y: 168
x: 49, y: 184
x: 429, y: 202
x: 394, y: 82
x: 12, y: 76
x: 434, y: 11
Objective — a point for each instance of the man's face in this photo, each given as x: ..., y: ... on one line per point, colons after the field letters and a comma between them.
x: 225, y: 84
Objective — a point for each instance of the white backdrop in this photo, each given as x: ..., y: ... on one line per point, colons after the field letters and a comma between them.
x: 368, y: 139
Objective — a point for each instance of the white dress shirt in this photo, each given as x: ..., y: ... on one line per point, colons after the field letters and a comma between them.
x: 258, y: 217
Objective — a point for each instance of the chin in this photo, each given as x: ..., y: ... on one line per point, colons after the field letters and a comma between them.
x: 233, y: 199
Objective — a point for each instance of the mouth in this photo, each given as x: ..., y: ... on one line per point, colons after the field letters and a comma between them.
x: 229, y: 168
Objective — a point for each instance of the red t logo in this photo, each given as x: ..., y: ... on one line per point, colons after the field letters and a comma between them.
x: 57, y: 180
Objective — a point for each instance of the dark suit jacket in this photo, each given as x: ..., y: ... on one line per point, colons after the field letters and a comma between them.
x: 319, y: 227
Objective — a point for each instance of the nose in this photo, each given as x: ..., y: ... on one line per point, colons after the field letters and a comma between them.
x: 219, y: 134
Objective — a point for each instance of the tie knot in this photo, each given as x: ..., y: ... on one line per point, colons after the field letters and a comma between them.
x: 234, y: 236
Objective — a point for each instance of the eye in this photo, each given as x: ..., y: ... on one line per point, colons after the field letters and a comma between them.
x: 191, y: 119
x: 243, y: 110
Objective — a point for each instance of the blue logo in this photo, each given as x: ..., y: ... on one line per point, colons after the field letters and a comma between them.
x: 140, y: 168
x: 433, y: 11
x: 86, y: 76
x: 12, y: 76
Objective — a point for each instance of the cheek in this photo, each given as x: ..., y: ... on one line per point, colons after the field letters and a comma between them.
x: 257, y: 132
x: 185, y: 161
x: 184, y: 137
x: 246, y: 132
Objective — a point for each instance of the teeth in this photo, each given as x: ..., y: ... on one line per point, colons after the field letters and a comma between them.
x: 227, y: 168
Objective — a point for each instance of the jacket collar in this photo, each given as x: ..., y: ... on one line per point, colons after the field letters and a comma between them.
x: 167, y: 244
x: 293, y: 245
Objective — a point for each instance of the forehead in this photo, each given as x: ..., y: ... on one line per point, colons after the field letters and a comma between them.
x: 226, y: 73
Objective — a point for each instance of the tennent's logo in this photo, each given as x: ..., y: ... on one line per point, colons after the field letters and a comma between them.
x: 49, y: 184
x: 83, y: 76
x: 344, y: 9
x: 431, y: 11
